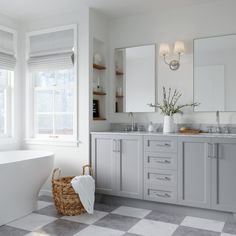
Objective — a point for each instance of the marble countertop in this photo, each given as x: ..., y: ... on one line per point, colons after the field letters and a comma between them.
x: 200, y: 135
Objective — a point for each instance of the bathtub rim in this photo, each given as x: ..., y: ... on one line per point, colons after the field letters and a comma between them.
x: 36, y: 154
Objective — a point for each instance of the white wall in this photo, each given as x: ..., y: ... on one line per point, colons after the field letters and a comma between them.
x: 180, y: 24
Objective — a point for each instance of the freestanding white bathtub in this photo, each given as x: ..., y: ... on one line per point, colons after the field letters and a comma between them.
x: 22, y: 174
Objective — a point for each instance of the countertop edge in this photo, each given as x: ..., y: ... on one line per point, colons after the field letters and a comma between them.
x: 201, y: 135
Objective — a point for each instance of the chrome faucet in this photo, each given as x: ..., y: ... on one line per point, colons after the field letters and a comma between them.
x: 131, y: 115
x: 218, y: 122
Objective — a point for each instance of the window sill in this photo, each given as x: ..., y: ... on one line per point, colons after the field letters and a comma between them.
x: 50, y: 142
x: 8, y: 141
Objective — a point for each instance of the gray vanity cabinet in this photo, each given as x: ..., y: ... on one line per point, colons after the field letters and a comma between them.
x: 194, y: 171
x: 103, y: 163
x: 224, y: 174
x: 129, y: 166
x: 160, y: 169
x: 118, y: 164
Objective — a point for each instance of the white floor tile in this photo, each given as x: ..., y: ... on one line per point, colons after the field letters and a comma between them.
x: 42, y: 204
x: 99, y: 231
x: 86, y: 218
x: 224, y: 234
x: 153, y: 228
x: 131, y: 211
x: 201, y: 223
x: 32, y: 222
x: 37, y: 234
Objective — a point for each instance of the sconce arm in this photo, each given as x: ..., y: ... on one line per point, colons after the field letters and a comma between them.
x: 166, y: 62
x: 179, y: 56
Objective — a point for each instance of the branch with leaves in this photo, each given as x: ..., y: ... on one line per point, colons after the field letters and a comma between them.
x: 169, y: 106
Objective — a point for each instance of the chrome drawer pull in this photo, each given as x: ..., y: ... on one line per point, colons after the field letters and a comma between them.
x: 163, y: 145
x: 163, y: 162
x: 166, y: 195
x: 165, y: 178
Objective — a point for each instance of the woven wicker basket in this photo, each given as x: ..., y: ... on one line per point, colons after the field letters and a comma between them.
x: 66, y: 200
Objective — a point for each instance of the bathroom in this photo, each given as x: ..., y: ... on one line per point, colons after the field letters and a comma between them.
x: 97, y: 30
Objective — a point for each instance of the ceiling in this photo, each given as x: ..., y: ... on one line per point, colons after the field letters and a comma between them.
x: 30, y: 9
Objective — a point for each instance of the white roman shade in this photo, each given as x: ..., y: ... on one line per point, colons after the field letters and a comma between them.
x: 52, y: 61
x: 7, y: 62
x: 53, y: 50
x: 7, y: 51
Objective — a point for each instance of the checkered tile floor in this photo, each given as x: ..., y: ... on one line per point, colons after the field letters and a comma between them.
x: 113, y: 221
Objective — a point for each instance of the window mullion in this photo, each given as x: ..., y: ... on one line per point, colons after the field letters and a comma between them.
x: 5, y: 112
x: 53, y: 112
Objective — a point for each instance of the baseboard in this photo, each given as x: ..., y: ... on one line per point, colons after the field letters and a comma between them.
x: 165, y: 208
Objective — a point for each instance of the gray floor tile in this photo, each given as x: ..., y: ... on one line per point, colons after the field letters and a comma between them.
x: 130, y: 234
x: 229, y: 228
x: 45, y: 198
x: 62, y: 228
x: 49, y: 211
x: 164, y: 217
x: 104, y: 207
x: 113, y: 221
x: 183, y: 230
x: 11, y: 231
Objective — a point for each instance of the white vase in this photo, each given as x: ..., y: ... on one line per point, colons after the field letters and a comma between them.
x: 168, y: 126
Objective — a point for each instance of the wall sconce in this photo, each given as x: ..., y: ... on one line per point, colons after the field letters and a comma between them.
x: 178, y: 49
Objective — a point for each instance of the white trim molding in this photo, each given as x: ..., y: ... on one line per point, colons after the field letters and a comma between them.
x: 48, y: 142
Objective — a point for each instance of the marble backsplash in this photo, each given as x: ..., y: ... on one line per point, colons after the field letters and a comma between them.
x: 229, y: 128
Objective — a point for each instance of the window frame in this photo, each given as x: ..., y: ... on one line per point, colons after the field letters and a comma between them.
x: 53, y: 113
x: 10, y: 120
x: 8, y: 104
x: 31, y: 136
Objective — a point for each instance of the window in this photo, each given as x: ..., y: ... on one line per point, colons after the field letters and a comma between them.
x: 6, y: 78
x: 52, y: 101
x: 7, y: 68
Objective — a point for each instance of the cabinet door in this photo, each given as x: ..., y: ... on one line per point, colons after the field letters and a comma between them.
x: 130, y: 167
x: 194, y: 167
x: 103, y: 150
x: 224, y: 175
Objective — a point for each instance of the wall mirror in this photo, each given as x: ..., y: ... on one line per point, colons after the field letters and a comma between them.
x: 135, y: 78
x: 215, y: 74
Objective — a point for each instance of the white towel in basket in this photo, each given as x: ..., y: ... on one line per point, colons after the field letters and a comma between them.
x: 84, y: 185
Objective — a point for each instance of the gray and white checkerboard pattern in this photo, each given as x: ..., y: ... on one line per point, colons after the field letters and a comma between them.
x: 113, y: 221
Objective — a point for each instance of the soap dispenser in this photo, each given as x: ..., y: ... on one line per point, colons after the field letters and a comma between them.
x: 150, y: 127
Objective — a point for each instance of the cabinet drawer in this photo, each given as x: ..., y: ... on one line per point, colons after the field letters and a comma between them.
x: 160, y: 144
x: 160, y: 160
x: 160, y: 193
x: 160, y: 177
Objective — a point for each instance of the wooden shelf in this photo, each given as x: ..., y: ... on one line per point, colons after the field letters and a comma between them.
x: 99, y: 67
x: 99, y: 93
x: 119, y: 73
x: 98, y: 118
